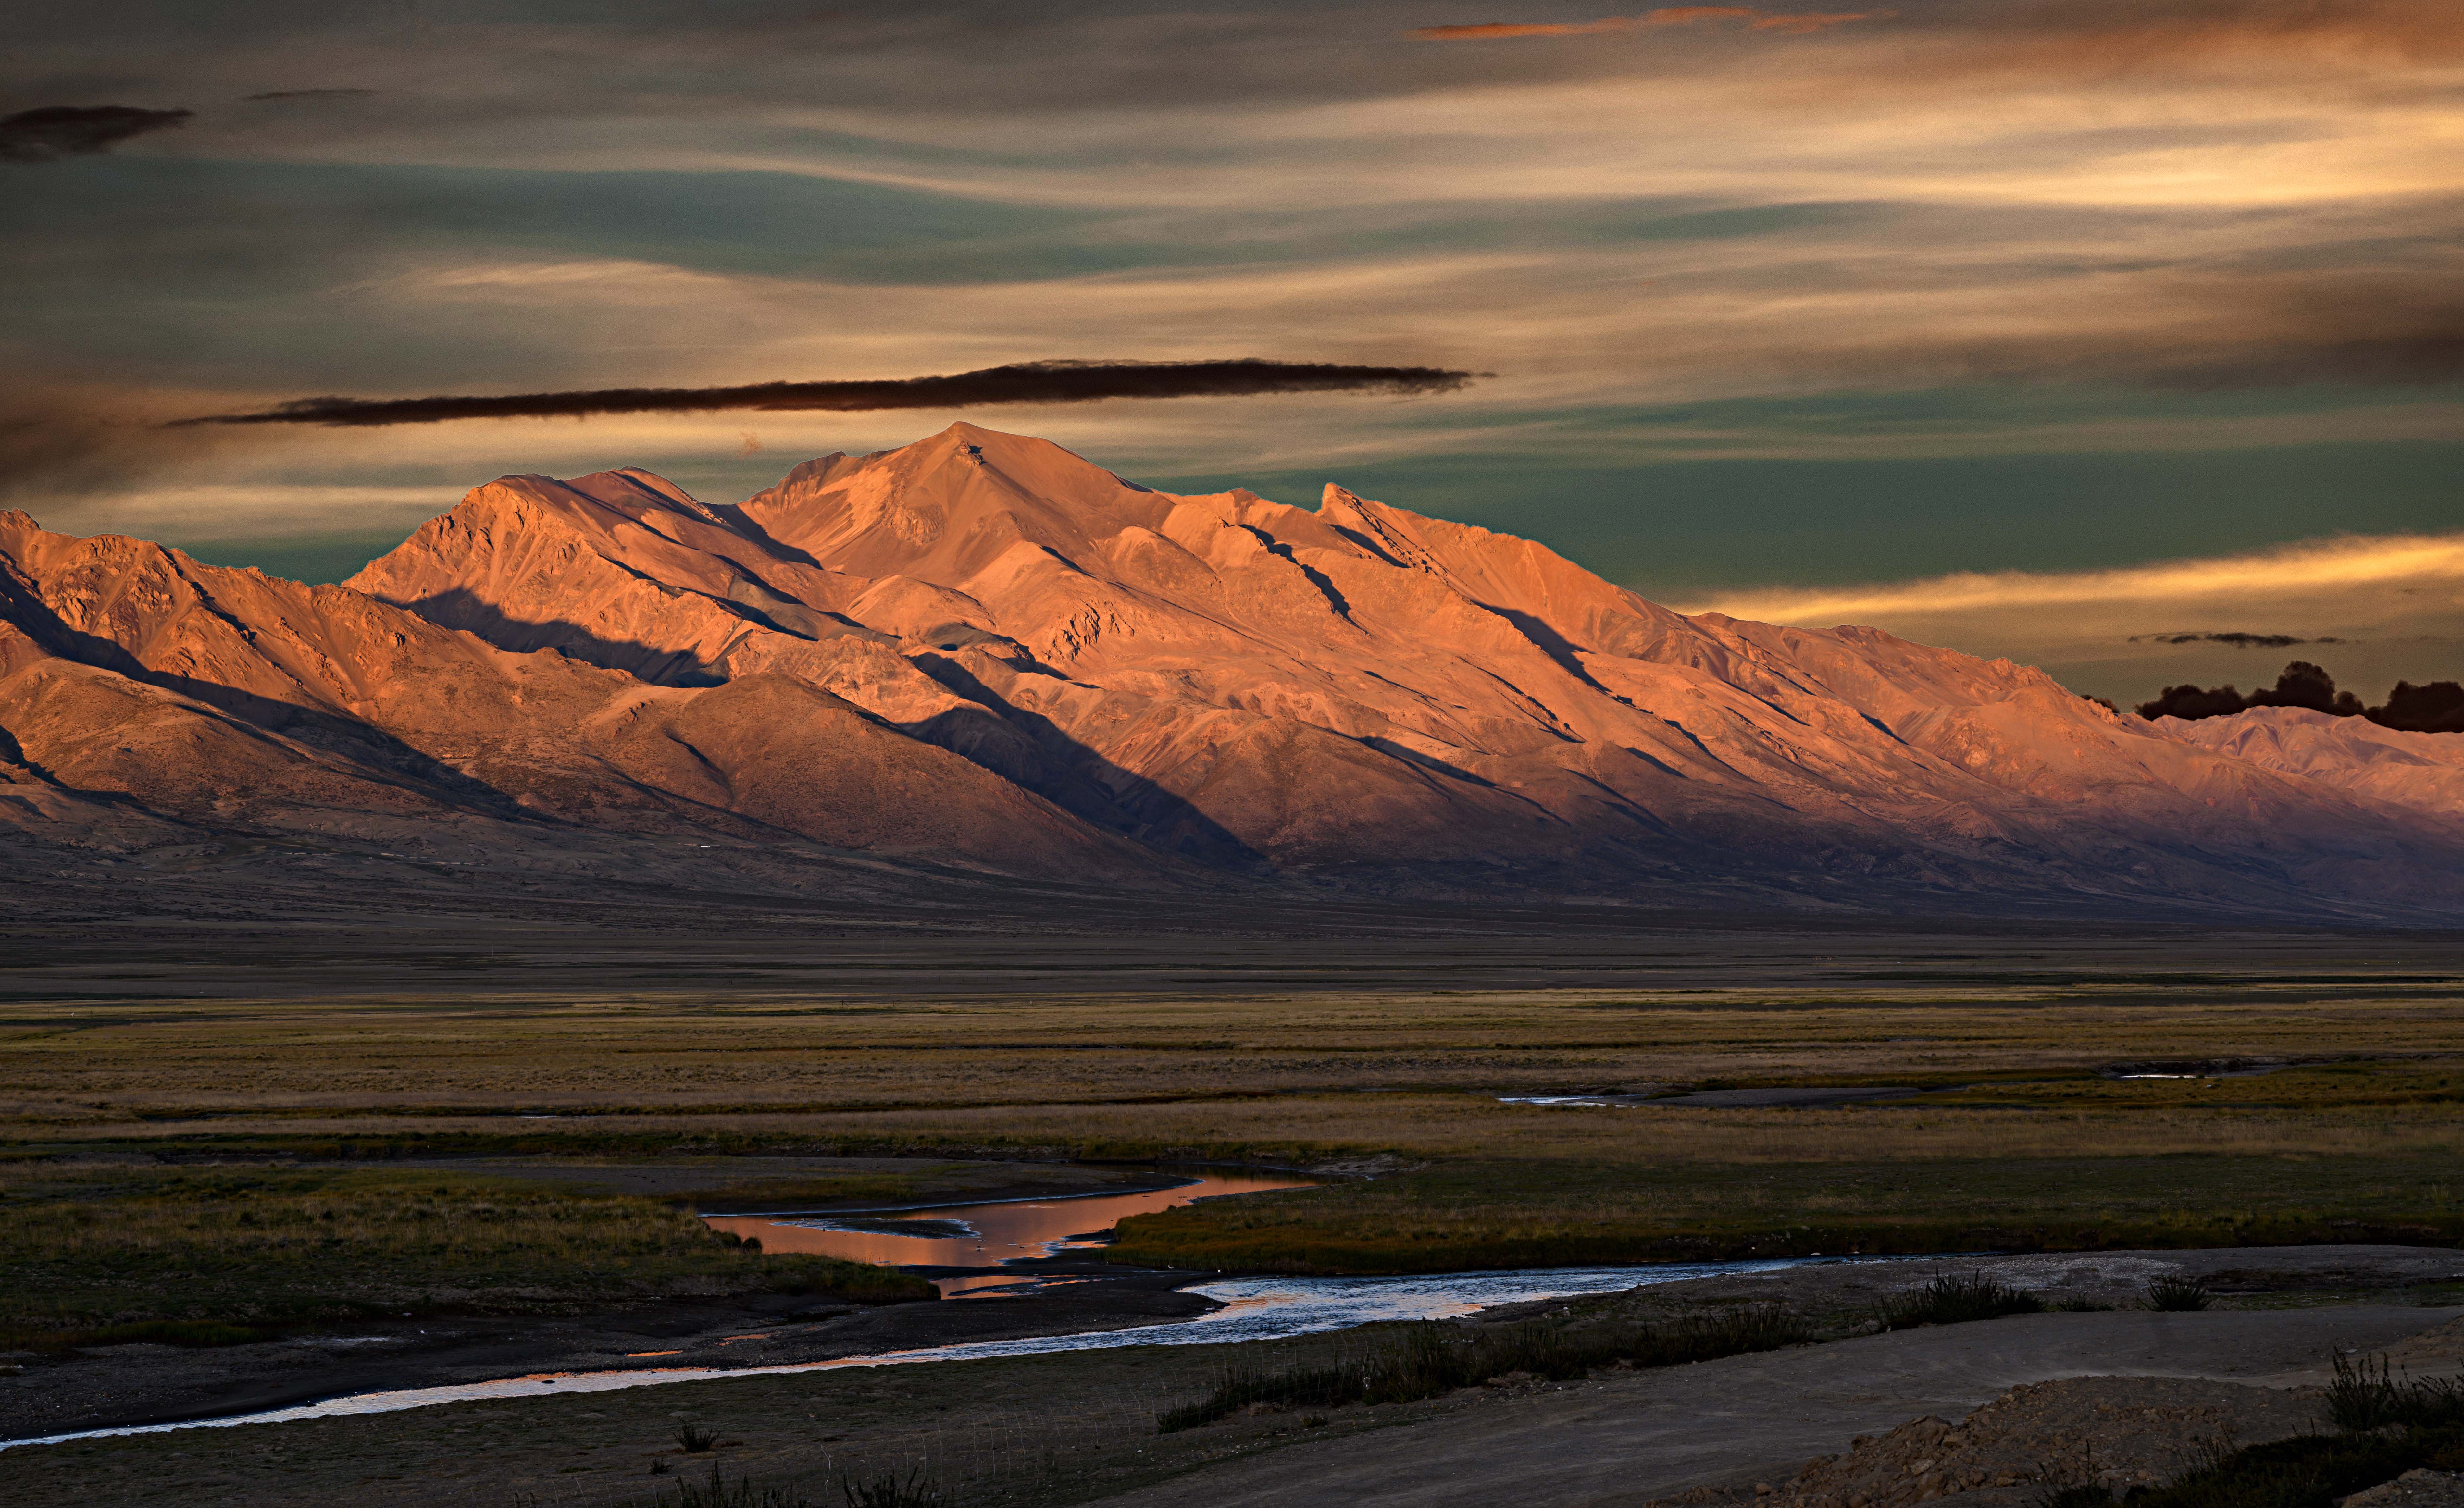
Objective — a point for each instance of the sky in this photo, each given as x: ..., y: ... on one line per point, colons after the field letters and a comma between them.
x: 2065, y: 330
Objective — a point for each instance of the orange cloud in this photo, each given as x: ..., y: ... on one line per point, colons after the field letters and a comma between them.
x: 1817, y: 20
x: 2105, y: 39
x: 1669, y: 16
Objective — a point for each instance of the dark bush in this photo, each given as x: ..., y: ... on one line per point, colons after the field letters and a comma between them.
x: 720, y: 1492
x: 2175, y: 1294
x: 1956, y: 1298
x: 2434, y: 708
x: 892, y: 1491
x: 2367, y: 1397
x: 2437, y: 708
x: 2309, y: 1471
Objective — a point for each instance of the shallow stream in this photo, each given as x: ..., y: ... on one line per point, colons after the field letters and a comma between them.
x: 985, y: 1237
x: 1254, y: 1309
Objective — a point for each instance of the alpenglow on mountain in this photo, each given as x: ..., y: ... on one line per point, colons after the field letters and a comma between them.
x: 983, y: 653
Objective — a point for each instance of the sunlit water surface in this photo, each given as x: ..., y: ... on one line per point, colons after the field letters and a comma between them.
x: 981, y: 1234
x: 1254, y: 1309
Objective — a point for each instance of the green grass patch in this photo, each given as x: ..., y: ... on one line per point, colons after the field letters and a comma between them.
x: 1500, y: 1213
x: 1425, y: 1361
x: 101, y: 1253
x: 194, y: 1333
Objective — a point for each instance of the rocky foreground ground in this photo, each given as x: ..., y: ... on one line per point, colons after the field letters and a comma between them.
x: 1989, y: 1414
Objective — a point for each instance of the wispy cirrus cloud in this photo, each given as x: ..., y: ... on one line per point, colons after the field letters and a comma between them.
x: 1799, y: 23
x: 2393, y: 605
x: 2149, y: 231
x: 2308, y: 566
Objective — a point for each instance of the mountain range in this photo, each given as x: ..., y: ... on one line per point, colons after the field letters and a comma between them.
x: 982, y: 655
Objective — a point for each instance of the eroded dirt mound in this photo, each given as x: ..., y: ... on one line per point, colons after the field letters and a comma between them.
x: 2423, y: 1489
x: 2117, y: 1432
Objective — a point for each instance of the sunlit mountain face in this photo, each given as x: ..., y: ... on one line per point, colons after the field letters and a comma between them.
x: 982, y: 653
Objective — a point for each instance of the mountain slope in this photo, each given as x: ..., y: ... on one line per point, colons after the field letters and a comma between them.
x: 187, y: 700
x: 2421, y: 771
x: 980, y: 654
x: 1369, y: 696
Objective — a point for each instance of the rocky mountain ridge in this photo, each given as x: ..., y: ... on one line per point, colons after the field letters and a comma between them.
x: 982, y: 650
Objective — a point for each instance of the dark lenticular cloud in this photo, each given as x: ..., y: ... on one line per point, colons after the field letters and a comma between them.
x: 1021, y: 383
x: 305, y: 94
x: 1794, y: 24
x: 2240, y: 641
x: 51, y: 132
x: 67, y: 440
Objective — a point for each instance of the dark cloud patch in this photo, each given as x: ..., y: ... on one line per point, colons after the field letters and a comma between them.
x: 2206, y: 330
x: 1796, y: 23
x: 2395, y: 333
x: 60, y: 440
x: 306, y: 93
x: 2240, y: 641
x: 51, y: 132
x: 1021, y: 383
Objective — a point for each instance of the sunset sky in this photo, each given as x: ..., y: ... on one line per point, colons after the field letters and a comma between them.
x: 2052, y: 330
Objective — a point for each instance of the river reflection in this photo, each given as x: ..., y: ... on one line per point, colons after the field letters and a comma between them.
x: 981, y: 1236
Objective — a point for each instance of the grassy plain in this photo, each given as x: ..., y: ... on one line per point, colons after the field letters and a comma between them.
x: 101, y: 1252
x: 2023, y: 1137
x: 492, y: 1148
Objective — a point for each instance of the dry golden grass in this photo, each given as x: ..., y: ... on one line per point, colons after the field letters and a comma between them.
x: 88, y: 1245
x: 740, y: 1055
x: 1302, y: 1080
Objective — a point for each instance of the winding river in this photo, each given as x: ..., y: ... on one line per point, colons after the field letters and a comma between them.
x: 1254, y: 1308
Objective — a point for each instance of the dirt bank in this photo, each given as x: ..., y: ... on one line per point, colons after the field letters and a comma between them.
x: 1634, y: 1438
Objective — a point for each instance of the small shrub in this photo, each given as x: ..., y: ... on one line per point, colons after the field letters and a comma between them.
x: 692, y: 1439
x: 2081, y: 1307
x: 1956, y: 1298
x: 2175, y: 1294
x: 720, y: 1492
x: 2308, y: 1471
x: 2367, y: 1397
x: 892, y: 1491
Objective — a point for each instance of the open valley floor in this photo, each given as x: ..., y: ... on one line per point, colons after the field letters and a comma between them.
x: 253, y: 1164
